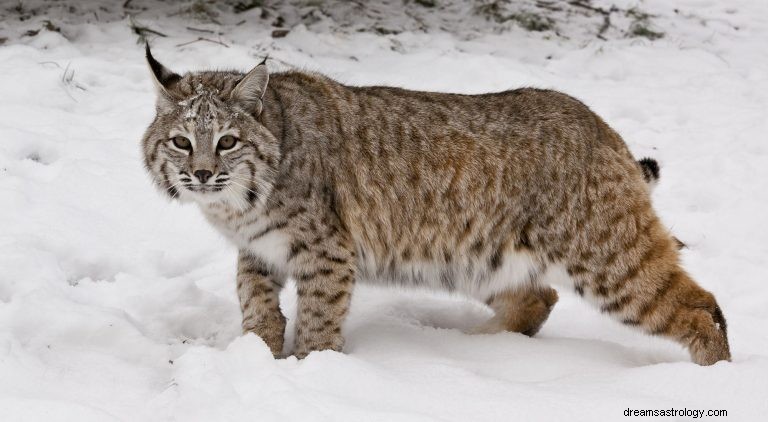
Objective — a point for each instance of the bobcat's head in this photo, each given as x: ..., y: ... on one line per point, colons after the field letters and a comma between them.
x: 206, y: 143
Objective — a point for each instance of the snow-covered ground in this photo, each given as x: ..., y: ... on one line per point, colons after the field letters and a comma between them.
x: 118, y: 305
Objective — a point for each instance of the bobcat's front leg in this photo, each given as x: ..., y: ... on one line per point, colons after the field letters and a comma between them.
x: 325, y: 274
x: 258, y: 289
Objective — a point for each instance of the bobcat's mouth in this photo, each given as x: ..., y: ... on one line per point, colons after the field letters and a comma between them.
x: 205, y: 188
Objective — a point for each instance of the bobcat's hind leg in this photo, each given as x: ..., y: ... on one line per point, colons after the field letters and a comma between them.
x: 520, y: 310
x: 635, y: 276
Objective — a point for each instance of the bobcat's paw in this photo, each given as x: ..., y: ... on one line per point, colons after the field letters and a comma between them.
x: 305, y: 345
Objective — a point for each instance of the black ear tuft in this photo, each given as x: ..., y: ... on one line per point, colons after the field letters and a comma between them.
x: 164, y: 76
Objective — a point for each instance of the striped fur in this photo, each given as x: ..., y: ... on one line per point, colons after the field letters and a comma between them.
x: 481, y: 195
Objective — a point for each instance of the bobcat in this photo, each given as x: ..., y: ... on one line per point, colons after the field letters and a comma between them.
x: 485, y: 195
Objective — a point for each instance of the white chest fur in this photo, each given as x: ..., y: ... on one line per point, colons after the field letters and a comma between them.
x: 272, y: 248
x: 253, y: 232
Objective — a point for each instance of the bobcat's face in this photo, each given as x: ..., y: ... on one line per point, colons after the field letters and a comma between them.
x: 205, y: 144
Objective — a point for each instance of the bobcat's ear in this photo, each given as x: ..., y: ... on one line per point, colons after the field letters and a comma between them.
x: 250, y: 90
x: 163, y: 79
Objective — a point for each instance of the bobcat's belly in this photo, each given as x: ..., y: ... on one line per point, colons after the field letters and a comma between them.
x: 476, y: 278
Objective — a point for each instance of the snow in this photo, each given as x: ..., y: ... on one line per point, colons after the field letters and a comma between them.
x: 118, y: 305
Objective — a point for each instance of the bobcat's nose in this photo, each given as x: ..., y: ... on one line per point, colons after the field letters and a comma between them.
x: 203, y: 175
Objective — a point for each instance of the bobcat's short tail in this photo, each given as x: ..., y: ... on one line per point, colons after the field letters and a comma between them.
x: 650, y: 168
x: 652, y: 174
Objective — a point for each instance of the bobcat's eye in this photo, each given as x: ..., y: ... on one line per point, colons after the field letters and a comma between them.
x: 181, y: 142
x: 226, y: 142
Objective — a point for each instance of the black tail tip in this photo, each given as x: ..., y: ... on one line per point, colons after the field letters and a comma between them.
x: 651, y: 170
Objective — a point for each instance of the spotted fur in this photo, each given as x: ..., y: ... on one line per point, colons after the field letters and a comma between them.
x: 484, y: 195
